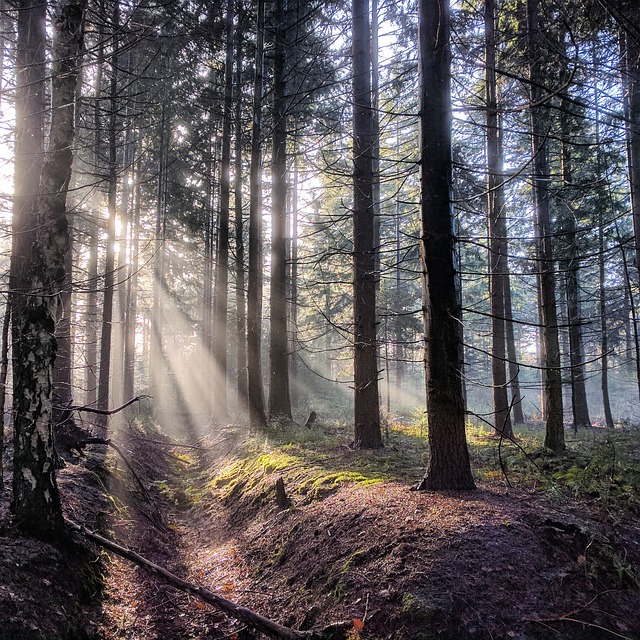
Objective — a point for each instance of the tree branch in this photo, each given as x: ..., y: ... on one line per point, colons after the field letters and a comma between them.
x: 233, y: 610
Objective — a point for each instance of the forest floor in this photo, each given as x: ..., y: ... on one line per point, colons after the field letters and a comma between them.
x: 551, y: 550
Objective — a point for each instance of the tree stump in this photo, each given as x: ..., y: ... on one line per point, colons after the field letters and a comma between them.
x: 311, y: 419
x: 281, y: 495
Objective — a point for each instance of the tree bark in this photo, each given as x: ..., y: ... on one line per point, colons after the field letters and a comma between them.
x: 222, y: 254
x: 554, y: 438
x: 36, y: 502
x: 279, y: 394
x: 293, y: 284
x: 132, y: 289
x: 106, y: 333
x: 91, y: 316
x: 571, y: 266
x: 449, y: 466
x: 366, y: 400
x: 497, y: 231
x: 630, y: 54
x: 241, y: 299
x: 28, y: 151
x: 254, y: 292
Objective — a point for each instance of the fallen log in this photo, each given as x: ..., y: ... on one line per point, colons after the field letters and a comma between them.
x: 230, y: 608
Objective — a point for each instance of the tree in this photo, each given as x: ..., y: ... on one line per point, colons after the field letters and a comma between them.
x: 279, y: 394
x: 241, y: 304
x: 222, y: 254
x: 106, y: 334
x: 570, y: 267
x: 449, y: 466
x: 497, y: 231
x: 366, y: 401
x: 550, y: 347
x: 36, y: 502
x: 254, y: 279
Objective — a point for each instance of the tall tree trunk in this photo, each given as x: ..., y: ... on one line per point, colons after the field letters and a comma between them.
x: 570, y: 267
x: 209, y: 237
x: 4, y: 343
x: 399, y: 338
x: 604, y: 335
x: 254, y: 284
x: 156, y: 344
x: 241, y: 299
x: 5, y: 35
x: 497, y: 231
x: 91, y: 316
x: 630, y: 67
x: 630, y: 54
x: 449, y: 466
x: 375, y: 132
x: 366, y: 399
x: 4, y: 369
x: 106, y: 332
x: 36, y: 502
x: 293, y: 283
x: 631, y: 314
x: 28, y: 157
x: 279, y: 395
x: 554, y: 438
x: 126, y: 326
x: 222, y: 262
x: 132, y: 289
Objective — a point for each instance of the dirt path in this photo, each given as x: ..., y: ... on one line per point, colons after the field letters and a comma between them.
x: 402, y: 565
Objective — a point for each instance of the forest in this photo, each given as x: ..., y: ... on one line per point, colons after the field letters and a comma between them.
x: 319, y: 319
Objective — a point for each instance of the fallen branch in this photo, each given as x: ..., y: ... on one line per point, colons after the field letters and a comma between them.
x: 101, y: 412
x: 233, y: 610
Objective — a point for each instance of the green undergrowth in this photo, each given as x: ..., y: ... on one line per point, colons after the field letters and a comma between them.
x: 599, y: 465
x: 313, y: 463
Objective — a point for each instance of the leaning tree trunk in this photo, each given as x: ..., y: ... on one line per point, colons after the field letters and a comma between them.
x: 449, y: 466
x: 36, y: 502
x: 279, y: 394
x: 366, y: 400
x: 554, y: 438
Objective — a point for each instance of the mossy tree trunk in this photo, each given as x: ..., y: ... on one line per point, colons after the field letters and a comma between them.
x: 36, y: 503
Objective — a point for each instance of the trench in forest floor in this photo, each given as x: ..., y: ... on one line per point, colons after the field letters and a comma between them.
x: 487, y: 564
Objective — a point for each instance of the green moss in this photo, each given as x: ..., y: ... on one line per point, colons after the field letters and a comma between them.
x: 354, y: 559
x: 416, y: 611
x: 318, y: 486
